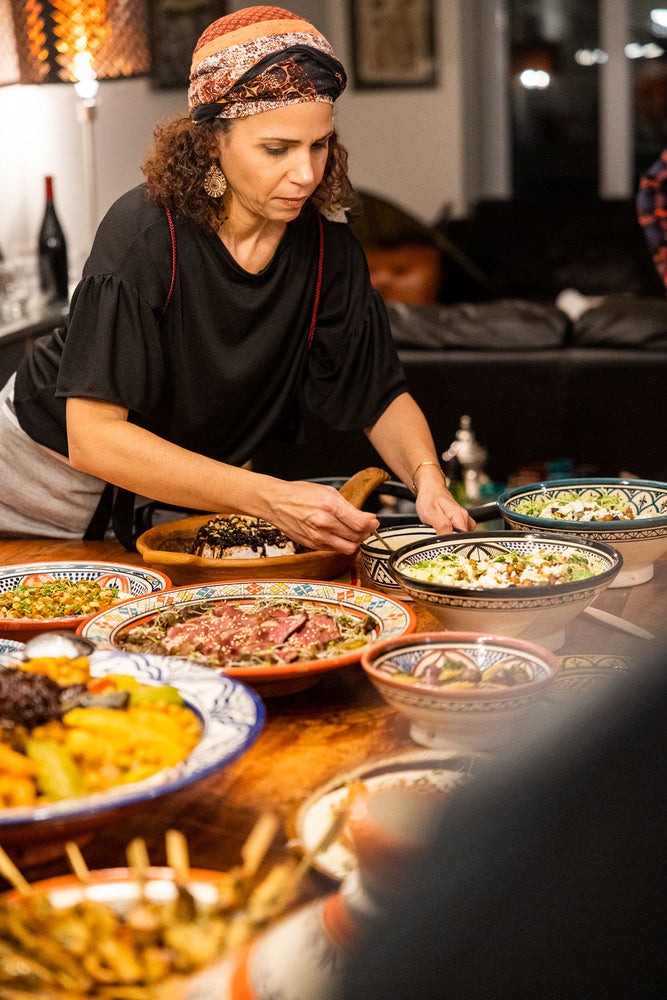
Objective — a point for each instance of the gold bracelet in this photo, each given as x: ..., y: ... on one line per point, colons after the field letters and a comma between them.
x: 438, y: 466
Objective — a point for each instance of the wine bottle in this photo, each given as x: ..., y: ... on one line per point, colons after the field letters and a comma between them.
x: 52, y: 250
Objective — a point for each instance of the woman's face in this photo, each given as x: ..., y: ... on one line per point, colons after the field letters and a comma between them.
x: 273, y: 161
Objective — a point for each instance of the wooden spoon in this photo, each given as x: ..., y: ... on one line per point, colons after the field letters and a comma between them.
x: 361, y: 485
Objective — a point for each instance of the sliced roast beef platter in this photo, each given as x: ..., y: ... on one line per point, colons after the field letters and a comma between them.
x: 276, y: 635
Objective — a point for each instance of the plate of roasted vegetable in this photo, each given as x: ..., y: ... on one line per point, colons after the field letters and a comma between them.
x: 138, y: 932
x: 82, y: 737
x: 35, y: 597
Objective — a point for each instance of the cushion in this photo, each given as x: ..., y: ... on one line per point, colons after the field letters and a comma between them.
x: 408, y: 273
x: 623, y: 321
x: 506, y: 325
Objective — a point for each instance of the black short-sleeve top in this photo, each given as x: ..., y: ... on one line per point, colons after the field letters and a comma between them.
x: 220, y: 370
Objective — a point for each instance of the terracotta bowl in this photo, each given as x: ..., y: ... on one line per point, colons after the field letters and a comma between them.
x: 475, y: 719
x: 167, y: 547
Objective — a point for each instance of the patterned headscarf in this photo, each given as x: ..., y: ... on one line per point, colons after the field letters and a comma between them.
x: 258, y: 59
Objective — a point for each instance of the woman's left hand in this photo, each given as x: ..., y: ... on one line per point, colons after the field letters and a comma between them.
x: 437, y: 507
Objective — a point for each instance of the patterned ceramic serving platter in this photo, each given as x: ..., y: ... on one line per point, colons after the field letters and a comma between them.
x: 474, y: 545
x: 232, y: 718
x: 131, y: 581
x: 648, y: 500
x: 391, y: 618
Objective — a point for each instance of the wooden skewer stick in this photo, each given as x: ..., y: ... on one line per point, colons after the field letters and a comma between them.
x: 325, y: 841
x: 177, y: 854
x: 77, y: 864
x: 258, y: 842
x: 137, y: 856
x: 9, y: 871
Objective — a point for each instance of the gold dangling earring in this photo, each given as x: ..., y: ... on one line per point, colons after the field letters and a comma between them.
x: 215, y: 182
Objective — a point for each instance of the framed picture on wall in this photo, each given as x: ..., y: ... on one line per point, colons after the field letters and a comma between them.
x: 393, y: 43
x: 173, y: 29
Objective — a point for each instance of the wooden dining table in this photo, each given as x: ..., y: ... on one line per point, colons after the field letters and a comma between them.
x: 308, y: 739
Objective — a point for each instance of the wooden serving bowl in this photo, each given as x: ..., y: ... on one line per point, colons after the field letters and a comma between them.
x: 166, y: 547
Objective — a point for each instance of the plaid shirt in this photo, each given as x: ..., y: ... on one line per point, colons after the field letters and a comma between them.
x: 652, y: 213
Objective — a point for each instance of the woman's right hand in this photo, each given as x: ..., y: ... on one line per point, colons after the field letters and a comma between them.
x: 317, y: 516
x: 105, y: 444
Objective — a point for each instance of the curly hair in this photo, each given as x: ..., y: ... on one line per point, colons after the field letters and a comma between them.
x: 183, y: 151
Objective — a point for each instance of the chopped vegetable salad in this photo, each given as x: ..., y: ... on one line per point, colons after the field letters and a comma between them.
x: 504, y: 569
x: 573, y: 506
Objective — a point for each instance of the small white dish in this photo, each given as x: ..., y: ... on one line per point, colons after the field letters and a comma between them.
x: 375, y: 556
x: 414, y: 771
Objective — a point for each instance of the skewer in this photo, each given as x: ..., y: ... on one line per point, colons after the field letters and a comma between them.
x: 325, y: 841
x: 257, y: 843
x: 177, y: 854
x: 77, y: 864
x: 137, y: 856
x: 9, y: 871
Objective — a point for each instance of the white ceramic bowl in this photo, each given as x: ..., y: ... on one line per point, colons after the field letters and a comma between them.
x: 538, y: 613
x: 375, y: 555
x: 640, y: 541
x: 475, y: 719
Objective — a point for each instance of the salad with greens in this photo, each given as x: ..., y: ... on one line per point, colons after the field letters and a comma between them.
x: 504, y: 569
x: 591, y: 506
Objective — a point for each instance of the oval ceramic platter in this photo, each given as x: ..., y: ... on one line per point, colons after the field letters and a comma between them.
x: 391, y: 619
x: 232, y: 717
x: 420, y: 770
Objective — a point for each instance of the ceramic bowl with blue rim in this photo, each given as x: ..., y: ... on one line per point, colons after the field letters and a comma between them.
x: 538, y: 613
x: 464, y: 691
x: 231, y: 716
x: 131, y: 581
x: 553, y: 505
x: 375, y: 556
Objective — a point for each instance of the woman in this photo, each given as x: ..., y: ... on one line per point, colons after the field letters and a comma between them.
x: 185, y: 351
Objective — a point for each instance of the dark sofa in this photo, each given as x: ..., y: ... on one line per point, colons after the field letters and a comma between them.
x: 538, y: 384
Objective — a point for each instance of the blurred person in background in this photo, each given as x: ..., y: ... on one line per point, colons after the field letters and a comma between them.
x: 652, y: 213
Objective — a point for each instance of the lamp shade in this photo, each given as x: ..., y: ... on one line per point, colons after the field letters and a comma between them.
x: 69, y: 40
